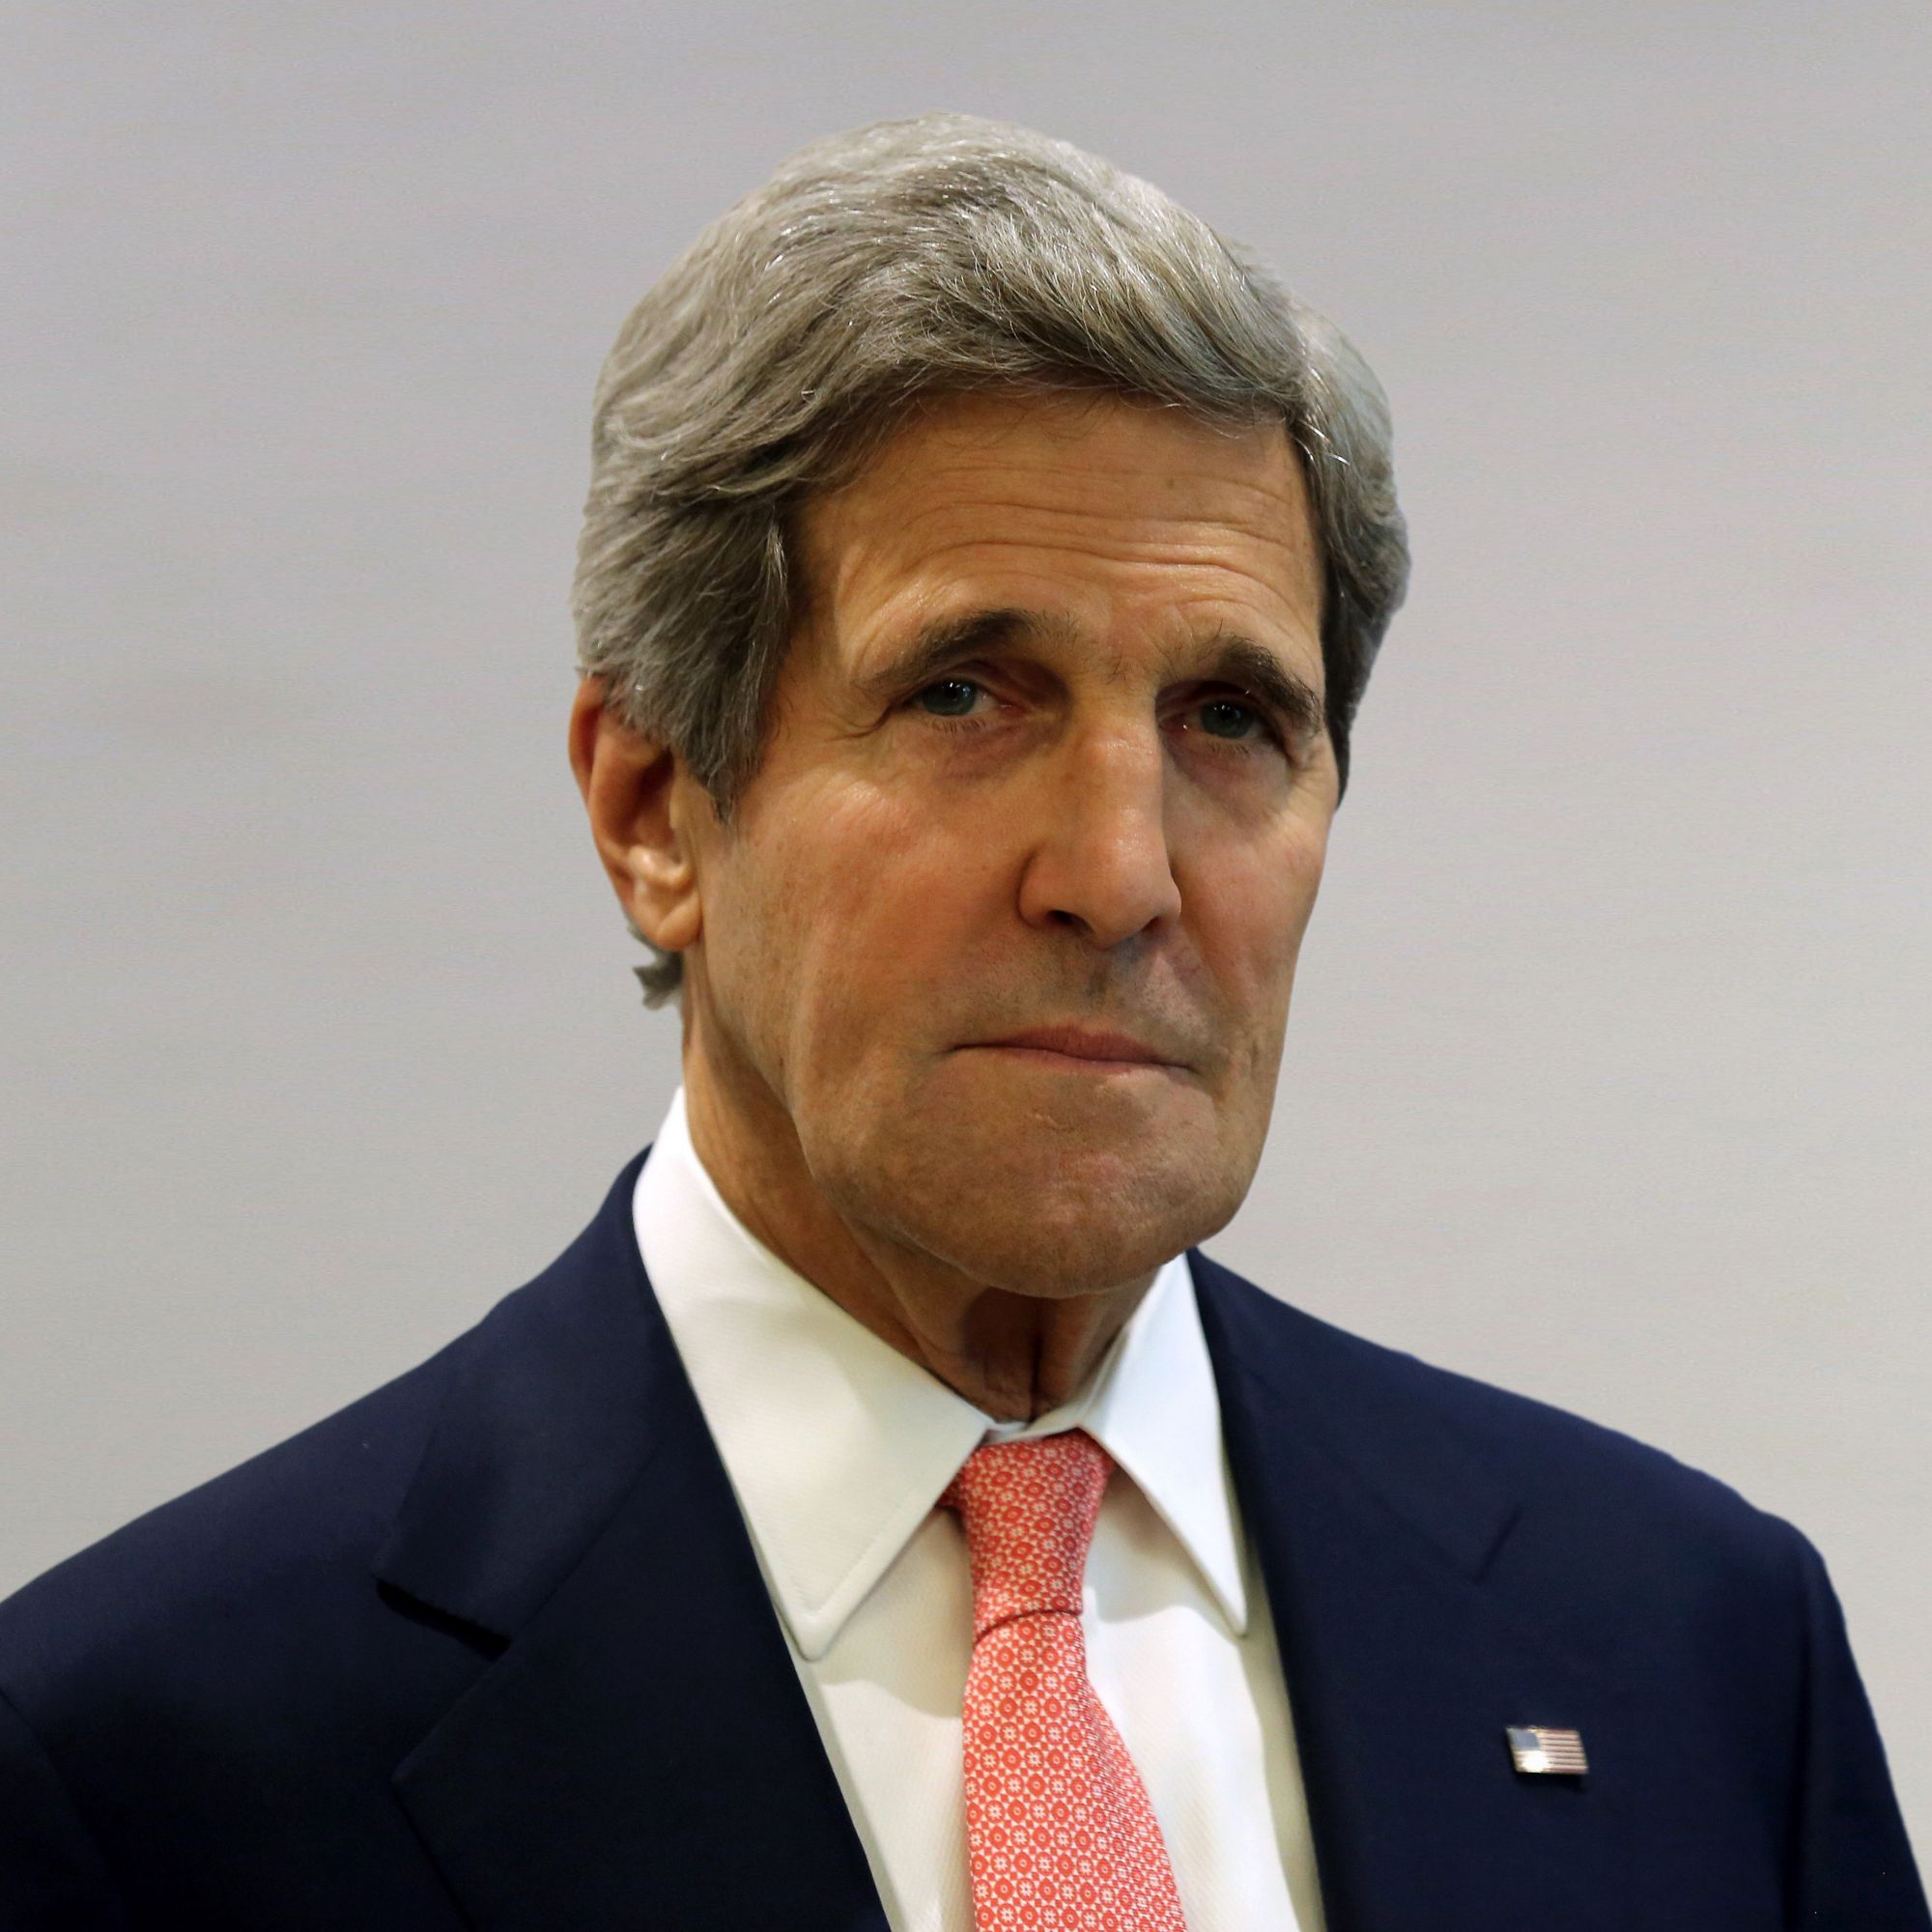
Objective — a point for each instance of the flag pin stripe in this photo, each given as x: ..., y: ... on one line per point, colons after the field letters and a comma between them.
x: 1538, y: 1750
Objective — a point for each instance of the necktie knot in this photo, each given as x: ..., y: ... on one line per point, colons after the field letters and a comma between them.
x: 1029, y: 1509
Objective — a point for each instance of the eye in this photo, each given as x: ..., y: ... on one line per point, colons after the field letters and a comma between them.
x: 1229, y: 717
x: 949, y: 697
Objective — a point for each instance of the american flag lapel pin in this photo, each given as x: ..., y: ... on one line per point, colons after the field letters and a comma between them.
x: 1539, y: 1752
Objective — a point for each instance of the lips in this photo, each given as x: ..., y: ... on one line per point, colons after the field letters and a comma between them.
x: 1085, y: 1044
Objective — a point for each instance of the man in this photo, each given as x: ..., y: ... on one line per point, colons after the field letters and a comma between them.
x: 884, y: 1515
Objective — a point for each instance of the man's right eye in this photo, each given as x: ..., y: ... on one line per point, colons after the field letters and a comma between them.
x: 949, y: 697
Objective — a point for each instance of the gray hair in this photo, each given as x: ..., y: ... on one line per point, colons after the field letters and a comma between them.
x: 902, y: 260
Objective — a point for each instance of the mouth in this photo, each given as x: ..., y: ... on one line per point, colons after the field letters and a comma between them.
x: 1078, y: 1047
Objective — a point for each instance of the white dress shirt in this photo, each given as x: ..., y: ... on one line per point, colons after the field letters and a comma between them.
x: 838, y: 1447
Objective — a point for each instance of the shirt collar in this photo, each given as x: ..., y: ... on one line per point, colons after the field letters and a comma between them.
x: 838, y: 1447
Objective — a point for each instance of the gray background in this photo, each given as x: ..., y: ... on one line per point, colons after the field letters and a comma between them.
x: 1607, y: 1076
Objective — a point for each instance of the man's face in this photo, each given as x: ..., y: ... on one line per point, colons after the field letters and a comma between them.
x: 1026, y: 775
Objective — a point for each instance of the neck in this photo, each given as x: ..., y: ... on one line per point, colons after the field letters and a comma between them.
x: 1013, y: 1356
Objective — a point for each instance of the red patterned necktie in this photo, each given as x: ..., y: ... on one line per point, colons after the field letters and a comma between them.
x: 1060, y: 1835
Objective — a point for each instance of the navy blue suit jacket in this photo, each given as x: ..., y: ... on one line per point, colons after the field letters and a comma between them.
x: 490, y: 1648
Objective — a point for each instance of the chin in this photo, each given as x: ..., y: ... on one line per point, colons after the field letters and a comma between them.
x: 1061, y: 1226
x: 1049, y: 1188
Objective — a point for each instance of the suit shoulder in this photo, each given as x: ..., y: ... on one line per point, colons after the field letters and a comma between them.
x: 1563, y: 1466
x: 288, y: 1526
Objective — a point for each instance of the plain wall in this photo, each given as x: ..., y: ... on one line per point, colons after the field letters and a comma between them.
x: 1608, y: 1069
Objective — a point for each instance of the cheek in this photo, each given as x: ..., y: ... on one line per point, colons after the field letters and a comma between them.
x: 841, y: 919
x: 1250, y: 909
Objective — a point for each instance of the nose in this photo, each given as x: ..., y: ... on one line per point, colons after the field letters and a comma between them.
x: 1101, y: 864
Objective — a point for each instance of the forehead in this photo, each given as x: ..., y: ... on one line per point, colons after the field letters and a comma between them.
x: 1114, y: 514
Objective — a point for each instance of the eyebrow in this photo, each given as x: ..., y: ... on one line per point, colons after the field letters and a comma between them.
x: 941, y: 643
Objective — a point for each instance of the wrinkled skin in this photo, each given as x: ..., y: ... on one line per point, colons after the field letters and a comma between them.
x: 1087, y: 810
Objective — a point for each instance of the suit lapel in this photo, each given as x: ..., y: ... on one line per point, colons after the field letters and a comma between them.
x: 641, y: 1752
x: 1376, y: 1528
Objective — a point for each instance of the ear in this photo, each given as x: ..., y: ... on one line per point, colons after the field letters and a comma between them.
x: 639, y: 809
